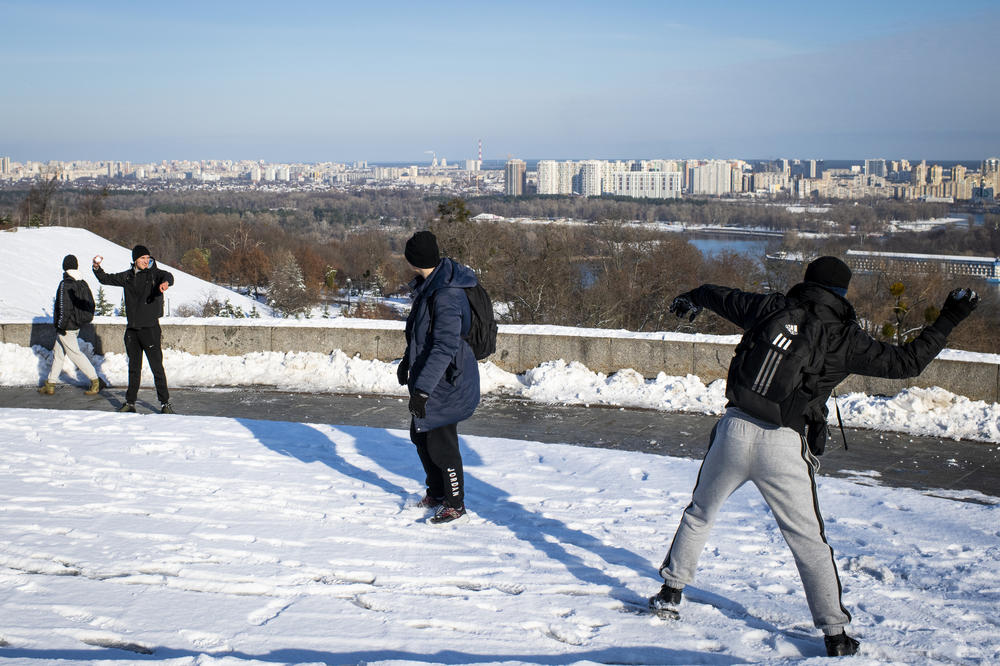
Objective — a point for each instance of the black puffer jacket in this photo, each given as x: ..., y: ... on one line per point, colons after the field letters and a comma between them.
x: 849, y: 349
x: 74, y: 304
x: 143, y: 298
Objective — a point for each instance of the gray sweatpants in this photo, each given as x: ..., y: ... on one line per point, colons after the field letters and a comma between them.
x: 779, y: 463
x: 67, y: 344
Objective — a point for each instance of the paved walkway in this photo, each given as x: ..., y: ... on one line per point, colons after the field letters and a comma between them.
x: 899, y: 460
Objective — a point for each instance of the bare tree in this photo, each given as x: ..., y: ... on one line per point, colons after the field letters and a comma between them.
x: 36, y: 209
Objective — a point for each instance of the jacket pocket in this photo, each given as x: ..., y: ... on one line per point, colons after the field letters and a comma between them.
x: 452, y: 373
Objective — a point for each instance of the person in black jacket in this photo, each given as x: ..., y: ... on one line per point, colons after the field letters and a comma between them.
x: 776, y: 457
x: 74, y: 306
x: 144, y: 284
x: 440, y: 370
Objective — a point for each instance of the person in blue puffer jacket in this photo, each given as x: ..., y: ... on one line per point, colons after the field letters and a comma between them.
x: 440, y: 370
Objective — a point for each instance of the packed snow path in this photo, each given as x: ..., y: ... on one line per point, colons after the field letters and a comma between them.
x: 214, y: 540
x: 957, y: 469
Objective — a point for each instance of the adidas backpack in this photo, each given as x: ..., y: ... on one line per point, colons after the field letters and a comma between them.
x: 774, y: 373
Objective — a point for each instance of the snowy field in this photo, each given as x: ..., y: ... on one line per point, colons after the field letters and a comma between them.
x: 203, y: 540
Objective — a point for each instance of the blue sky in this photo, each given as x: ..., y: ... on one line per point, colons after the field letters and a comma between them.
x: 387, y: 81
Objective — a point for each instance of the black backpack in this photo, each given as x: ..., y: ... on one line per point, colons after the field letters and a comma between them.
x: 777, y: 364
x: 85, y: 313
x: 482, y: 335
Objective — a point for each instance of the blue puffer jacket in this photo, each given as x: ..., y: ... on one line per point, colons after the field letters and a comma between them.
x: 442, y: 364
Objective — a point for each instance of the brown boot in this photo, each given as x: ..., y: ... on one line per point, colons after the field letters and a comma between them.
x: 95, y: 387
x: 48, y: 388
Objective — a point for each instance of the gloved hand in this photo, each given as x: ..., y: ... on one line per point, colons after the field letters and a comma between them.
x: 959, y: 305
x: 683, y: 305
x: 403, y: 370
x: 418, y: 404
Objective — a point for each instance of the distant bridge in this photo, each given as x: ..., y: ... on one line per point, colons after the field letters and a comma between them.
x: 987, y: 268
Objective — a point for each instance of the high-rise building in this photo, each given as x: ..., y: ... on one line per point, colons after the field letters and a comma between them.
x: 713, y: 178
x: 4, y: 166
x: 591, y: 177
x: 937, y: 174
x: 567, y: 172
x: 875, y: 168
x: 515, y: 175
x: 920, y: 173
x: 812, y: 168
x: 645, y: 184
x: 548, y: 177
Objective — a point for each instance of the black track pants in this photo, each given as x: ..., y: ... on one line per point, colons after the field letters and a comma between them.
x: 442, y: 461
x: 145, y: 340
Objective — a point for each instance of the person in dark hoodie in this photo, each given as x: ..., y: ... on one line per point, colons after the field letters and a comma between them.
x: 74, y: 306
x: 144, y: 284
x: 440, y: 370
x: 777, y: 457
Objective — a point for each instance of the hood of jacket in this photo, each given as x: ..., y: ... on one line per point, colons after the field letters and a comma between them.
x: 73, y: 274
x: 831, y: 306
x: 448, y: 273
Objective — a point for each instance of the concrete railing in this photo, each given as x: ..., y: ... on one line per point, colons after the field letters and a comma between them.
x: 519, y: 348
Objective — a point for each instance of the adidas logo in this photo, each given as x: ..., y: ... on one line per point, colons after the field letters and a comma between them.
x: 793, y: 329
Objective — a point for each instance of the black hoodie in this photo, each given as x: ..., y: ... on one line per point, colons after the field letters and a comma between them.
x: 849, y: 350
x: 143, y: 298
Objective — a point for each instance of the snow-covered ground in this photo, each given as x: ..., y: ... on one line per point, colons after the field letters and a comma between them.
x: 204, y: 540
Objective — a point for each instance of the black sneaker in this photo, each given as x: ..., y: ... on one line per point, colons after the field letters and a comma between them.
x: 167, y: 408
x: 665, y: 603
x: 447, y: 514
x: 127, y: 407
x: 840, y: 645
x: 430, y: 502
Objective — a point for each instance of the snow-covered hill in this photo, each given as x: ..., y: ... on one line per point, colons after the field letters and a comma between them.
x: 31, y: 261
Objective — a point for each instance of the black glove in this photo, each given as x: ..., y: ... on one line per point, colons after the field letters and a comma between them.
x: 683, y: 305
x: 418, y: 404
x: 959, y: 305
x: 403, y: 370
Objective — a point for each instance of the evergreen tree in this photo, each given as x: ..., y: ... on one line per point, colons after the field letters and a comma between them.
x: 288, y: 293
x: 102, y: 307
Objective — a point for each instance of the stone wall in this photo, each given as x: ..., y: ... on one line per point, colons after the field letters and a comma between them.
x: 516, y: 351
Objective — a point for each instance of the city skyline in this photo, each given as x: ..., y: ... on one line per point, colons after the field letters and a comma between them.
x: 319, y: 82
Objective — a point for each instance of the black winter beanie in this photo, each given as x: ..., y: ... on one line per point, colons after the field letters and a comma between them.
x: 139, y: 251
x: 70, y: 263
x: 422, y: 250
x: 829, y: 272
